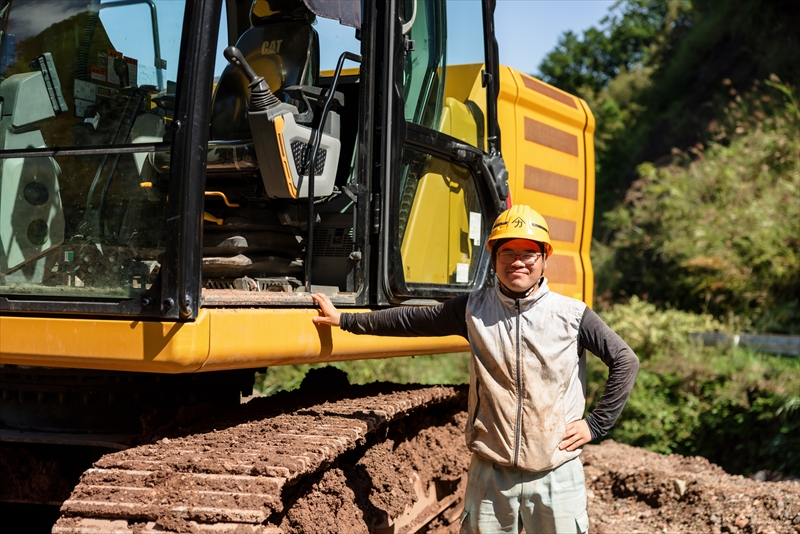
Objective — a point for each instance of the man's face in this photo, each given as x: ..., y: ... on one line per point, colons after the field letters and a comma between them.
x: 516, y: 274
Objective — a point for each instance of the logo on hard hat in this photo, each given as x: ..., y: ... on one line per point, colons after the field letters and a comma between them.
x: 518, y: 222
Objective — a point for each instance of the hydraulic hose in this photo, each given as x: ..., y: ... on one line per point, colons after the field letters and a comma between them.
x: 82, y: 71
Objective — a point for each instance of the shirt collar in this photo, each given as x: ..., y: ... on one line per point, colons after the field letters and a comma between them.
x: 524, y: 300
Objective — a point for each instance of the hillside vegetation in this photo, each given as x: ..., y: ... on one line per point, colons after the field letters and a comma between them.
x: 716, y: 229
x: 735, y: 407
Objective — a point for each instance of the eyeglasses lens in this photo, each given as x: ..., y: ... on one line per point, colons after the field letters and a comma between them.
x: 527, y: 258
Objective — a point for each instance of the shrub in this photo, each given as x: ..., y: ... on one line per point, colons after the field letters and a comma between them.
x: 718, y: 231
x: 651, y: 332
x: 735, y: 407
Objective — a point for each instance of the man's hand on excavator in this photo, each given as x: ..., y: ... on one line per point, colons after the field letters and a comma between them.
x: 330, y: 315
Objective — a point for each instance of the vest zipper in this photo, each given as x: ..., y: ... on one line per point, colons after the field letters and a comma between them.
x: 517, y: 436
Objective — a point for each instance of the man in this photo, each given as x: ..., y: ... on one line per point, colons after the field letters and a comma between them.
x: 526, y: 398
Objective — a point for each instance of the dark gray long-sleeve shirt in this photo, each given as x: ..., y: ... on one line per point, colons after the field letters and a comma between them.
x: 449, y: 318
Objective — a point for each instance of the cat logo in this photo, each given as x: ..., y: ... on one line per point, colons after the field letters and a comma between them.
x: 271, y: 47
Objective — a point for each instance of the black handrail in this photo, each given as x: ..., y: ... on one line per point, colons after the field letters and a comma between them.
x: 317, y: 140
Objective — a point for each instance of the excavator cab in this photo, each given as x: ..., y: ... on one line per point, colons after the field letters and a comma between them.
x: 301, y: 146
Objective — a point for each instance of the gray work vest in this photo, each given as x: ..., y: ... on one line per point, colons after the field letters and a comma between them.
x: 527, y: 376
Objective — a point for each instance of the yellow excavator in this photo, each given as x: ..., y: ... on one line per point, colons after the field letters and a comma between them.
x: 178, y: 176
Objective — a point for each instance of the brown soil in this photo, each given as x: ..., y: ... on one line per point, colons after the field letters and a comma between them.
x: 632, y: 490
x: 367, y: 491
x: 344, y: 466
x: 295, y: 463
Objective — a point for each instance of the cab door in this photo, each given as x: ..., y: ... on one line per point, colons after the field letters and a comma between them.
x: 443, y: 181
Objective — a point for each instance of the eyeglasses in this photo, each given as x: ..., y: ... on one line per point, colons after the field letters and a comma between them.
x: 528, y: 258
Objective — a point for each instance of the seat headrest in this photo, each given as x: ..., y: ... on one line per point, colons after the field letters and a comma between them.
x: 264, y: 12
x: 285, y: 54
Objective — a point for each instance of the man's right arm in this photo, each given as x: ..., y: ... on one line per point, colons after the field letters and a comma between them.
x: 445, y: 319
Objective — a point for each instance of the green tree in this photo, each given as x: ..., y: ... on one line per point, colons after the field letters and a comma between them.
x: 681, y: 151
x: 652, y: 72
x: 611, y: 68
x: 628, y: 39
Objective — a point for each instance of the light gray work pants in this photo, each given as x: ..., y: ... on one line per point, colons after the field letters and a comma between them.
x: 503, y: 499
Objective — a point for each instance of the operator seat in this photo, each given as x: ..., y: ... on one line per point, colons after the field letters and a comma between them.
x: 282, y: 47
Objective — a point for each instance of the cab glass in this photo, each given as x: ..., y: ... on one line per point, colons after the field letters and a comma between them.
x: 88, y: 93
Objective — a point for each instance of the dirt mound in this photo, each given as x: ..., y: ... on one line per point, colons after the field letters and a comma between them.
x: 375, y: 460
x: 632, y: 490
x: 384, y: 458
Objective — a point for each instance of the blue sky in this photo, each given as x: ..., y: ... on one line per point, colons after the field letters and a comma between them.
x: 528, y: 29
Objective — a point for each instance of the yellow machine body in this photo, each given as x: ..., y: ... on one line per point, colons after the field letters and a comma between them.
x: 218, y: 340
x: 548, y: 149
x: 547, y: 140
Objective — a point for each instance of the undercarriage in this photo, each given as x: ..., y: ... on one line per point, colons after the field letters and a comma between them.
x: 329, y: 457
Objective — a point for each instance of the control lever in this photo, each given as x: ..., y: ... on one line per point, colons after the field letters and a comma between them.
x: 261, y: 98
x: 282, y: 144
x: 235, y: 58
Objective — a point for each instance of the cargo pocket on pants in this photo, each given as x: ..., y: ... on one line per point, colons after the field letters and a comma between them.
x: 582, y: 522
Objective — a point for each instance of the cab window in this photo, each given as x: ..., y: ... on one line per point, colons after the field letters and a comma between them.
x: 78, y: 75
x: 443, y: 86
x: 438, y: 233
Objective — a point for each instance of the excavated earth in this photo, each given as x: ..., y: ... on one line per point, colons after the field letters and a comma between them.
x: 632, y: 490
x: 383, y: 458
x: 380, y: 458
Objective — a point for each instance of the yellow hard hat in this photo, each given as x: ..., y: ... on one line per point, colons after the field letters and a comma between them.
x: 521, y: 222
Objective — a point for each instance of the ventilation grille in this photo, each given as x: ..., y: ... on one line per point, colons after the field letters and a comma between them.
x: 301, y: 153
x: 333, y: 242
x: 218, y: 284
x: 280, y: 285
